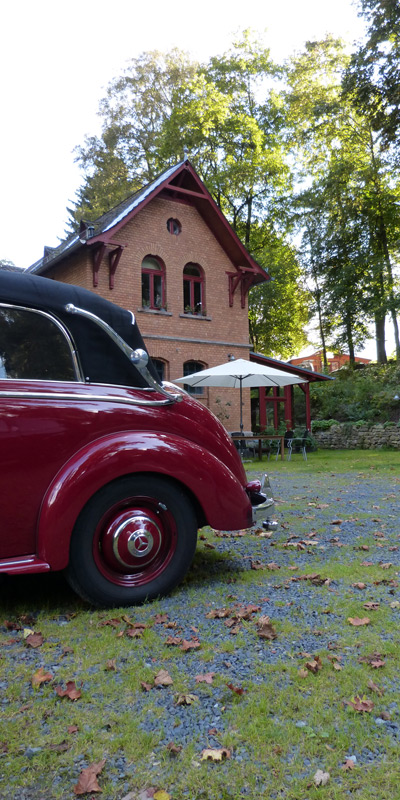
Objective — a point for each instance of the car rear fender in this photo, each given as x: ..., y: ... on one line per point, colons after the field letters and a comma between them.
x: 221, y: 498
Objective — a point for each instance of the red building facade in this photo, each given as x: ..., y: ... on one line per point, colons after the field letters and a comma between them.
x: 169, y: 255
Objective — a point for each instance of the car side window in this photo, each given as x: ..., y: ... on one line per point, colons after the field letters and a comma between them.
x: 33, y: 347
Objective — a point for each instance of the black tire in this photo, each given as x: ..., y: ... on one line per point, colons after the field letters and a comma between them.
x: 134, y: 541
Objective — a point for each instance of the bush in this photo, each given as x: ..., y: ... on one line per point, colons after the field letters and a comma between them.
x: 363, y: 396
x: 323, y: 424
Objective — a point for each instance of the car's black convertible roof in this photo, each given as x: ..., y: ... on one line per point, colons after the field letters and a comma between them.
x: 102, y: 361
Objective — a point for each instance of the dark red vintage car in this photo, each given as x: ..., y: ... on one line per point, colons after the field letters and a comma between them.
x: 105, y: 473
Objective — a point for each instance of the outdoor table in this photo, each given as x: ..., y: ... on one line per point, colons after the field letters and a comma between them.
x: 262, y: 438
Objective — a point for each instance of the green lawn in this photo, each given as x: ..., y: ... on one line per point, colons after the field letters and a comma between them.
x: 275, y: 711
x: 333, y: 461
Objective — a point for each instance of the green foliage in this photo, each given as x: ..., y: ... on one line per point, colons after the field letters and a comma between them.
x: 323, y: 424
x: 357, y: 396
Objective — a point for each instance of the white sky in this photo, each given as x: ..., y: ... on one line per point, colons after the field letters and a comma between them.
x: 57, y: 57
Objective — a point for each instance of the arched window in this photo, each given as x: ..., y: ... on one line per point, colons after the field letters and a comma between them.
x: 193, y: 289
x: 188, y: 368
x: 153, y: 283
x: 161, y: 368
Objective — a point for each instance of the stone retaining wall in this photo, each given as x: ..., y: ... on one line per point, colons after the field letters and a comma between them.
x: 344, y: 437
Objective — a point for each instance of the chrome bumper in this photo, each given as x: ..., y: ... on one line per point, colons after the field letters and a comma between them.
x: 263, y: 506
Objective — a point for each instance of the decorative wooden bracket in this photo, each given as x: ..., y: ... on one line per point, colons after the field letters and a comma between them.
x: 243, y: 277
x: 98, y: 254
x: 113, y: 260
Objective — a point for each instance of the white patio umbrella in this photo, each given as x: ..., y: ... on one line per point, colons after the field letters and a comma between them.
x: 241, y: 374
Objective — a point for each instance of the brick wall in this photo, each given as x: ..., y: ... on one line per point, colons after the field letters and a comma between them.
x: 171, y: 335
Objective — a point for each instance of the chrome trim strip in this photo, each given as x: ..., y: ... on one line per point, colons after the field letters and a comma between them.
x: 61, y: 327
x: 88, y: 398
x: 137, y: 357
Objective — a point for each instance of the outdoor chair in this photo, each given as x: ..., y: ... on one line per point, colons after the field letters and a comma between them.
x: 274, y: 448
x: 298, y: 444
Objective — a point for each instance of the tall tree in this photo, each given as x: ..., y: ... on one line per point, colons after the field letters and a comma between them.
x: 373, y: 74
x: 345, y: 160
x: 129, y: 153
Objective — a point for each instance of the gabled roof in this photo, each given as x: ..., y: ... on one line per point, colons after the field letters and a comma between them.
x: 291, y: 368
x: 178, y: 182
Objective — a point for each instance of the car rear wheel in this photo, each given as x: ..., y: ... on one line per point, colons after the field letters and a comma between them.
x: 134, y: 541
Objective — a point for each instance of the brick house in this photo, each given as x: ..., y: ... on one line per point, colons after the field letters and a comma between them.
x: 314, y: 362
x: 168, y: 254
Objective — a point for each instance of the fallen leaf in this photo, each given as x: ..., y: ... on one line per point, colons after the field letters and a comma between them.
x: 359, y: 585
x: 40, y: 677
x: 315, y: 665
x: 189, y: 645
x: 321, y: 778
x: 160, y: 619
x: 206, y: 678
x: 215, y: 754
x: 371, y: 606
x: 72, y: 692
x: 61, y: 747
x: 357, y: 621
x: 395, y: 604
x: 174, y: 749
x: 147, y: 687
x: 87, y: 781
x: 162, y: 678
x: 33, y: 639
x: 72, y: 729
x: 360, y: 704
x: 237, y: 689
x: 266, y: 629
x: 303, y: 673
x: 186, y: 699
x: 173, y: 641
x: 161, y: 795
x: 348, y: 764
x: 111, y: 665
x: 115, y: 622
x: 374, y: 688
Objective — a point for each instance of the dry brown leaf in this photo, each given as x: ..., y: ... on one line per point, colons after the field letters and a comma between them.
x: 215, y: 754
x: 359, y: 585
x: 72, y: 692
x: 360, y: 704
x: 186, y: 699
x: 87, y: 781
x: 358, y: 621
x: 374, y: 688
x: 174, y: 749
x: 206, y: 678
x: 371, y: 605
x: 189, y: 645
x: 315, y: 665
x: 348, y: 764
x: 266, y: 629
x: 40, y: 677
x: 162, y: 678
x: 321, y: 778
x: 237, y: 689
x: 34, y: 640
x: 111, y: 665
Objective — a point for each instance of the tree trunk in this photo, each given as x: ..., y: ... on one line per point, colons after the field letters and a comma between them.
x: 380, y: 339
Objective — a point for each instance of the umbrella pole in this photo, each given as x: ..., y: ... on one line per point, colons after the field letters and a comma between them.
x: 241, y: 408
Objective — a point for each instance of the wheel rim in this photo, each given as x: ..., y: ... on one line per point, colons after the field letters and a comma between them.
x: 134, y: 541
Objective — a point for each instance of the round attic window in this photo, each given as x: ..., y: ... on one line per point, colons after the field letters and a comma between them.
x: 174, y: 226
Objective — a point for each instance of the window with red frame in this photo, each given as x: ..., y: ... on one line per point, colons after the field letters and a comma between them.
x: 153, y: 283
x: 193, y: 289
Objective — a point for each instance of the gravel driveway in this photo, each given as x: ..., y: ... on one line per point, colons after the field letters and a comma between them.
x: 323, y: 519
